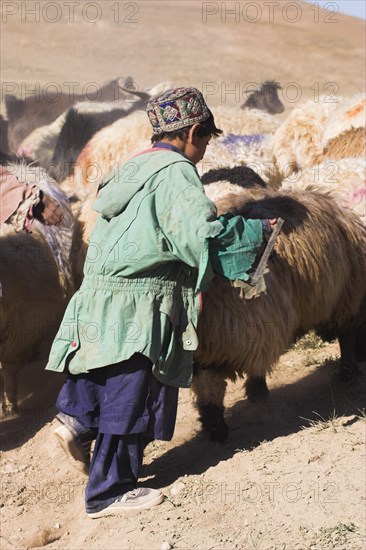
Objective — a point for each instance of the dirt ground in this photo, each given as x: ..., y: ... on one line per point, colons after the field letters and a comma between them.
x: 292, y: 473
x: 290, y: 476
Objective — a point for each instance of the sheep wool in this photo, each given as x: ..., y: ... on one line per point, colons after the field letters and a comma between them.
x: 344, y: 179
x: 349, y: 113
x: 299, y: 140
x: 244, y: 122
x: 109, y: 147
x: 316, y: 279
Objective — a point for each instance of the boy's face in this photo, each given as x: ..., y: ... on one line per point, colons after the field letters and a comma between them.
x: 195, y: 147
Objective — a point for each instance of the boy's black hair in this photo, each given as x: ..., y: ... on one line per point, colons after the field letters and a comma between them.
x: 206, y: 128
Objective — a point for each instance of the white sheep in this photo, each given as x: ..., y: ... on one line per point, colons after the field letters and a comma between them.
x: 349, y: 113
x: 247, y: 141
x: 232, y: 150
x: 40, y: 144
x: 298, y: 142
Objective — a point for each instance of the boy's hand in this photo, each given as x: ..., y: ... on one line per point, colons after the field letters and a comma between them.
x: 269, y: 226
x: 273, y: 223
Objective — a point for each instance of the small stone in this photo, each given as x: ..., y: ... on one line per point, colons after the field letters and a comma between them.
x: 177, y: 488
x: 8, y: 469
x: 57, y: 525
x: 166, y: 546
x: 20, y: 529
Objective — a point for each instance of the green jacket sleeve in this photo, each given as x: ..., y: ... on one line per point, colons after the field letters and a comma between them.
x: 233, y: 252
x: 226, y: 245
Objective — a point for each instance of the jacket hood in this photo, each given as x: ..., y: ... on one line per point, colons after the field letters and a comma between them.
x: 120, y: 186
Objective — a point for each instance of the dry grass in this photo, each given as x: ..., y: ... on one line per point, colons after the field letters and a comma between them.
x: 310, y: 341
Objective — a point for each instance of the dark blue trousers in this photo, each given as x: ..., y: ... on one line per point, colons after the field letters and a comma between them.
x: 124, y: 406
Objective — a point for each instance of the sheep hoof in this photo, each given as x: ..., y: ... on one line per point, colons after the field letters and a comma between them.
x: 212, y: 419
x: 220, y: 434
x: 256, y: 389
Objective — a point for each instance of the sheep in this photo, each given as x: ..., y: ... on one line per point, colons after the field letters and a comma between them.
x: 247, y: 141
x: 344, y: 179
x: 252, y: 151
x: 265, y: 98
x: 244, y: 122
x: 36, y: 282
x: 116, y: 143
x: 40, y: 144
x: 86, y: 218
x: 24, y: 115
x: 108, y: 148
x: 316, y: 280
x: 57, y: 146
x: 350, y: 113
x: 298, y: 142
x: 84, y: 120
x: 314, y: 130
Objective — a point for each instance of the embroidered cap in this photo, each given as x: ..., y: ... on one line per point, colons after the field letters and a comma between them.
x: 177, y: 109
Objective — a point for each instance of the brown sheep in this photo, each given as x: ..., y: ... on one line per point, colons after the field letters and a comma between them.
x: 316, y: 280
x: 35, y: 282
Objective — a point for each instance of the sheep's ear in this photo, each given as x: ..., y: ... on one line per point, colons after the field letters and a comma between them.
x: 125, y: 82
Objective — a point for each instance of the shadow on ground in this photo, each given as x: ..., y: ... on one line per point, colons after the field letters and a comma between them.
x: 37, y: 391
x: 290, y: 408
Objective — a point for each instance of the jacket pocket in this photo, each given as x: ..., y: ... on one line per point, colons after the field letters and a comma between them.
x: 168, y: 328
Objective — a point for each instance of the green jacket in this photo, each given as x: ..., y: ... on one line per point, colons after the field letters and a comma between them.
x: 150, y: 255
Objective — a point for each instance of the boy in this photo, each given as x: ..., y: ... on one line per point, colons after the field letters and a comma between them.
x: 128, y: 335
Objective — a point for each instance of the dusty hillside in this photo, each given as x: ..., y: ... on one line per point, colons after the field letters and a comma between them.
x: 207, y: 44
x: 292, y: 473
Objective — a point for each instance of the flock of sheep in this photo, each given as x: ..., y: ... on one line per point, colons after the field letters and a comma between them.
x: 308, y: 170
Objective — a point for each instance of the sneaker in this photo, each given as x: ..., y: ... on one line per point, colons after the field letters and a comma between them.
x: 76, y: 449
x: 135, y: 500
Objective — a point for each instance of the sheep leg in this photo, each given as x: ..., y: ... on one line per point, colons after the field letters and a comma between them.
x: 360, y: 344
x: 256, y: 389
x: 349, y: 368
x: 209, y: 387
x: 9, y: 389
